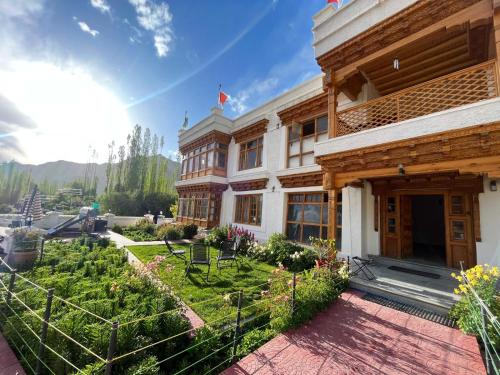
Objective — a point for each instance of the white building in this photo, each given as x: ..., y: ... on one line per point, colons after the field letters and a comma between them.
x: 393, y: 151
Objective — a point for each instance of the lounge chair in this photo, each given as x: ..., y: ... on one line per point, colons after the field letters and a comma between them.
x: 362, y: 267
x: 181, y: 254
x: 228, y: 252
x: 199, y: 254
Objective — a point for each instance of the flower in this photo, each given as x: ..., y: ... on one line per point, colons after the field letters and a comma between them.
x: 456, y: 291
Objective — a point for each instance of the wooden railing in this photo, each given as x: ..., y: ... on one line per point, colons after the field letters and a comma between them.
x: 466, y: 86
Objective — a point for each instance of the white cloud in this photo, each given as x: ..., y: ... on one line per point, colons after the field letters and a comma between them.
x: 239, y: 102
x: 86, y: 29
x: 102, y: 5
x: 56, y: 112
x: 20, y: 9
x: 157, y: 19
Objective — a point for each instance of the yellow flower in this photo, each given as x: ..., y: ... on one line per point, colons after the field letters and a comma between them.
x: 456, y: 291
x: 494, y: 271
x: 486, y: 277
x: 473, y: 283
x: 453, y: 274
x: 460, y: 278
x: 462, y: 288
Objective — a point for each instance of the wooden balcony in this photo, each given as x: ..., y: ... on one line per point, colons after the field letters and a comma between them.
x: 470, y: 85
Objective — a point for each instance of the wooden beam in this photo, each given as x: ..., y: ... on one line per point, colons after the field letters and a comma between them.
x: 477, y: 11
x: 353, y: 85
x: 496, y: 28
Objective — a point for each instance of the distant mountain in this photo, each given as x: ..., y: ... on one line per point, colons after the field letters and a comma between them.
x: 62, y: 171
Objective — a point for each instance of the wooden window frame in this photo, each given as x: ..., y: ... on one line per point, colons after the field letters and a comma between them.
x: 246, y: 205
x: 323, y: 203
x: 200, y: 153
x: 301, y: 139
x: 245, y: 149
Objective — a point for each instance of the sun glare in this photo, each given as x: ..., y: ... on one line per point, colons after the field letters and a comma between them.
x: 72, y: 111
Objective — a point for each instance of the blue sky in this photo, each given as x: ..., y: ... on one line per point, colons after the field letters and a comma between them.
x: 139, y: 61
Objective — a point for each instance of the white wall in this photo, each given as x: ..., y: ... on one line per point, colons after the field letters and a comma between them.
x: 488, y: 250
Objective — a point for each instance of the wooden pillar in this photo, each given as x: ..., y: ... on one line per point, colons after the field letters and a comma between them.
x: 330, y: 87
x: 496, y: 26
x: 329, y: 185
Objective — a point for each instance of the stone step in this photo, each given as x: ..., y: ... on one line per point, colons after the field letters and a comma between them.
x: 439, y: 303
x: 444, y: 272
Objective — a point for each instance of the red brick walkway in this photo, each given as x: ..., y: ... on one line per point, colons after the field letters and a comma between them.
x: 9, y: 365
x: 355, y: 336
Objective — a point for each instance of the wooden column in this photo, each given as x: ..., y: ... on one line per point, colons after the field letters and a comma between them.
x: 329, y: 185
x: 330, y: 87
x: 496, y: 26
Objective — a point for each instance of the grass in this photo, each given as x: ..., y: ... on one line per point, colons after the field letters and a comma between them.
x: 194, y: 288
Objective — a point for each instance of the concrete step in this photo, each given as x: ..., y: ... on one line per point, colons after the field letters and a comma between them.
x: 435, y: 301
x: 442, y: 271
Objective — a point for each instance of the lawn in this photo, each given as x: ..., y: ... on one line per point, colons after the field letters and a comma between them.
x: 194, y: 288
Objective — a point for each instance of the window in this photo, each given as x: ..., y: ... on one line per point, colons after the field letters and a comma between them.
x: 248, y: 209
x: 203, y: 160
x: 251, y: 154
x: 307, y: 216
x: 301, y: 139
x: 199, y: 207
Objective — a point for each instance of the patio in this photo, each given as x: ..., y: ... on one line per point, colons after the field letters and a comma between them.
x: 355, y: 336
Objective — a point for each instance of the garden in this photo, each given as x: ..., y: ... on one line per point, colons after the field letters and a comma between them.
x: 94, y: 286
x: 145, y: 230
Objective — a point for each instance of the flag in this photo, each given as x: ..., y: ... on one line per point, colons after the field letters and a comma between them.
x: 338, y: 2
x: 222, y: 96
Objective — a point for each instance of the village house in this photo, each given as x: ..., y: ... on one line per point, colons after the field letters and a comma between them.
x: 393, y: 151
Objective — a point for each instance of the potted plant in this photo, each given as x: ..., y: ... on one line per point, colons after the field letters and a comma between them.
x: 325, y: 250
x: 24, y: 249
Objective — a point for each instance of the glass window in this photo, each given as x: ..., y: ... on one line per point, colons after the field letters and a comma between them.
x: 458, y: 230
x: 391, y: 225
x: 248, y: 209
x: 251, y: 154
x: 301, y: 139
x: 391, y: 204
x: 307, y: 216
x: 457, y: 205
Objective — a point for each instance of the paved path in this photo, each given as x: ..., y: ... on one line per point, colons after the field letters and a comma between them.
x: 355, y: 336
x: 9, y: 365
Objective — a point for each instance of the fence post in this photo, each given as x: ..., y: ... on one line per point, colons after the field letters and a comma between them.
x: 43, y: 333
x: 484, y: 337
x: 11, y: 285
x: 294, y: 283
x: 111, y: 348
x: 238, y: 319
x: 42, y: 245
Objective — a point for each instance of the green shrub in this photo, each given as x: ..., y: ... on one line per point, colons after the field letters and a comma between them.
x: 5, y: 208
x: 117, y: 229
x: 466, y: 311
x: 173, y: 234
x: 103, y: 242
x: 253, y: 340
x: 189, y: 231
x: 278, y: 250
x: 217, y: 235
x: 147, y: 366
x: 315, y: 290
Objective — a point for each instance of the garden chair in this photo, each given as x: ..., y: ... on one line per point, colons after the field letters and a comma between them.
x: 228, y: 252
x: 181, y: 254
x: 362, y: 267
x: 199, y: 254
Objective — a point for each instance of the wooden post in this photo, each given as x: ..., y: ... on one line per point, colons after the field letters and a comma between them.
x: 111, y: 348
x: 329, y: 185
x: 43, y: 333
x: 496, y: 28
x: 238, y: 319
x: 42, y: 245
x: 11, y: 285
x: 330, y: 87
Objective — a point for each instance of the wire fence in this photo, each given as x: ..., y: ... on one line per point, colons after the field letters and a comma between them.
x: 488, y: 327
x: 30, y: 326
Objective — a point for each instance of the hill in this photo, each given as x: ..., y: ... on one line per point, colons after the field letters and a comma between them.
x: 62, y: 171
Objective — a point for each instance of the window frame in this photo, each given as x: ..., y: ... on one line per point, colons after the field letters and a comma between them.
x: 245, y: 150
x: 301, y: 138
x: 244, y: 207
x: 210, y: 153
x: 322, y: 203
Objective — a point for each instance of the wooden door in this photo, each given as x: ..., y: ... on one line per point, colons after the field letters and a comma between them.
x: 406, y: 227
x: 460, y: 244
x: 391, y: 241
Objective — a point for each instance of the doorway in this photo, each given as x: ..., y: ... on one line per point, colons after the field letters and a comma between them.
x: 428, y: 231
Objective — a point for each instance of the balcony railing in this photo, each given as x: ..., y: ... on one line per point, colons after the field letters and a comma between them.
x: 466, y: 86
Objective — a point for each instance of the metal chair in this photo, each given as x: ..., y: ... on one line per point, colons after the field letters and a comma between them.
x: 181, y: 254
x: 228, y: 252
x: 199, y: 254
x: 362, y: 267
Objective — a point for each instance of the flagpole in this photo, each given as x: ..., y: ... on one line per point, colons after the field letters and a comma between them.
x: 218, y: 96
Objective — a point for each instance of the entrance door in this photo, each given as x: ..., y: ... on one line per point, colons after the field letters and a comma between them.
x: 460, y: 243
x: 391, y: 242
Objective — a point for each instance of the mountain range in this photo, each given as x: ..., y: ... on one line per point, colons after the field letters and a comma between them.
x: 62, y: 171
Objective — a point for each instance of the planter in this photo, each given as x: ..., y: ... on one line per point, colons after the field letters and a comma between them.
x: 23, y: 259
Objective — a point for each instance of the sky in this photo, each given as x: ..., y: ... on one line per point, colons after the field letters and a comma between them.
x: 78, y: 74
